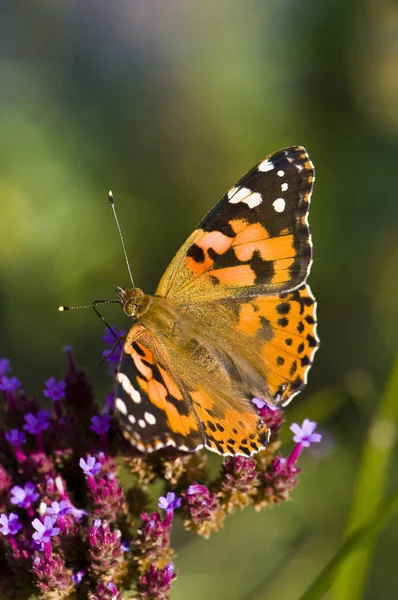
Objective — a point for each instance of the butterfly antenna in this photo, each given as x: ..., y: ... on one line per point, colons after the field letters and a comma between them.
x: 94, y: 305
x: 64, y: 308
x: 112, y: 201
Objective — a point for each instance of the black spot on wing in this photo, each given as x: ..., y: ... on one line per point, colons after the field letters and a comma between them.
x: 196, y: 253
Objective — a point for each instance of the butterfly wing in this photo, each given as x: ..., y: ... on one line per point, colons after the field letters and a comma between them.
x: 271, y: 339
x: 152, y: 406
x: 254, y: 241
x: 162, y: 401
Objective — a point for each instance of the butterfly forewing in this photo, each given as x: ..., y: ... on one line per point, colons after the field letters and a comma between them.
x: 255, y: 240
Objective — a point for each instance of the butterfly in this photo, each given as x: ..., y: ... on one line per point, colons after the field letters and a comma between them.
x: 231, y: 319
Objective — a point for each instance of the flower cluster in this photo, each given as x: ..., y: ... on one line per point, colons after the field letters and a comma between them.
x: 69, y: 529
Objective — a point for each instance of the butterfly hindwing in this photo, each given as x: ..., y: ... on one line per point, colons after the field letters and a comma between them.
x: 156, y: 412
x: 151, y: 406
x: 281, y: 330
x: 255, y: 240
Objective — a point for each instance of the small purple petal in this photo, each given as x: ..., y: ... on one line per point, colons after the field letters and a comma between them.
x: 15, y: 437
x: 169, y: 503
x: 305, y: 435
x: 9, y: 525
x: 100, y: 423
x: 111, y: 337
x: 37, y: 423
x: 78, y: 513
x: 91, y: 466
x: 9, y: 384
x: 44, y: 531
x: 77, y: 577
x: 260, y: 403
x: 196, y: 488
x: 24, y: 497
x: 54, y: 390
x: 38, y: 525
x: 59, y: 508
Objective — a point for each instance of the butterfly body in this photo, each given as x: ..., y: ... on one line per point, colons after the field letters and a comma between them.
x: 232, y: 319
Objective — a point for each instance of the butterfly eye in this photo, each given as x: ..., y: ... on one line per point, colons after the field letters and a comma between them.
x: 130, y: 308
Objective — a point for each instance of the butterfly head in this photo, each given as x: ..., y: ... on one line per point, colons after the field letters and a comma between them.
x: 131, y: 300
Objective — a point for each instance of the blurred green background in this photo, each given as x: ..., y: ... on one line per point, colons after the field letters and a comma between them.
x: 168, y: 103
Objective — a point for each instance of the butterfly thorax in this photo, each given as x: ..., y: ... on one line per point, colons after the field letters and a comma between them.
x: 158, y: 314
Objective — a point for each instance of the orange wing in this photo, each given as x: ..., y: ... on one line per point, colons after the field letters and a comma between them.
x: 154, y: 410
x: 163, y: 399
x: 255, y: 241
x: 282, y: 329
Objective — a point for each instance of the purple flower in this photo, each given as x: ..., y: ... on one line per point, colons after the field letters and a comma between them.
x: 9, y: 525
x: 37, y: 423
x: 100, y: 423
x: 196, y: 488
x: 169, y: 503
x: 44, y: 531
x: 54, y: 390
x: 5, y: 366
x: 260, y: 404
x: 59, y: 509
x: 15, y: 437
x: 112, y: 337
x: 78, y: 513
x: 91, y: 466
x: 24, y: 497
x: 9, y: 384
x: 77, y: 577
x: 272, y: 415
x: 305, y: 435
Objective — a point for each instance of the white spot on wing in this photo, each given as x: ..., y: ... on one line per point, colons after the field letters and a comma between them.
x: 183, y: 448
x: 265, y: 166
x: 284, y: 187
x: 245, y: 195
x: 131, y: 418
x: 121, y: 406
x: 279, y: 205
x: 128, y: 387
x: 149, y: 418
x: 280, y: 173
x: 141, y: 423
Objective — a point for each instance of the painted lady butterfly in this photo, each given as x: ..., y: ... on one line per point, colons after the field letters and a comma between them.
x: 232, y: 319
